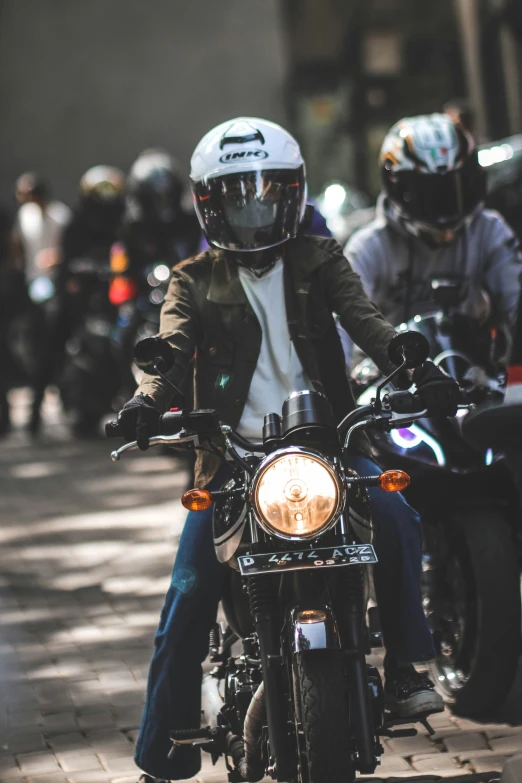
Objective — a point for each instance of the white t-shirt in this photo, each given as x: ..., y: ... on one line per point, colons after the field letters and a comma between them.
x: 279, y: 371
x: 40, y: 231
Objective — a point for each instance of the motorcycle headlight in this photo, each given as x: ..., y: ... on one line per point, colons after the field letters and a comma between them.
x: 296, y: 494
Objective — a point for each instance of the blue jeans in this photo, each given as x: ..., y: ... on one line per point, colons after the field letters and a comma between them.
x: 181, y: 643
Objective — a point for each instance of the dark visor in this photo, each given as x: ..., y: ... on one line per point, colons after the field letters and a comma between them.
x: 442, y: 199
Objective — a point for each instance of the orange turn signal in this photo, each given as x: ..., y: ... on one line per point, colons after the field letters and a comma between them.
x: 119, y: 259
x: 197, y: 499
x: 393, y: 480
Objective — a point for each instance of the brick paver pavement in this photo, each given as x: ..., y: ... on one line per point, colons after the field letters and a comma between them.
x: 86, y: 549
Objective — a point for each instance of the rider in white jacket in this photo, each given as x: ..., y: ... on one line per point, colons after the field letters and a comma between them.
x: 431, y: 223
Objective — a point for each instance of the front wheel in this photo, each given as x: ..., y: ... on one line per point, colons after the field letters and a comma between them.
x: 323, y: 727
x: 473, y: 604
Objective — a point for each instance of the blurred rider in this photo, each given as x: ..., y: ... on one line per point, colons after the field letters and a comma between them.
x: 39, y: 227
x: 256, y: 310
x: 96, y: 220
x: 12, y: 298
x: 159, y: 223
x: 431, y: 223
x: 93, y: 229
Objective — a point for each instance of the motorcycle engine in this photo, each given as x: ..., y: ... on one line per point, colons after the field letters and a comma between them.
x: 241, y: 683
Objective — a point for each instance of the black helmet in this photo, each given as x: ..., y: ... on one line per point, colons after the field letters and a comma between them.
x: 154, y: 189
x: 431, y: 174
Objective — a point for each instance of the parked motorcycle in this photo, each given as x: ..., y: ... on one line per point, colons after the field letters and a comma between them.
x: 468, y: 504
x: 300, y: 703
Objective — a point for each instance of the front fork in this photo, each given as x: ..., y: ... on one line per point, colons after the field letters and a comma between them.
x: 264, y: 608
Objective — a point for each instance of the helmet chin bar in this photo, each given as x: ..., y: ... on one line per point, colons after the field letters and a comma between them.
x: 439, y: 236
x: 432, y: 235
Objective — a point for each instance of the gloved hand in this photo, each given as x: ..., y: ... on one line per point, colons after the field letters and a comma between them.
x: 438, y: 392
x: 139, y: 419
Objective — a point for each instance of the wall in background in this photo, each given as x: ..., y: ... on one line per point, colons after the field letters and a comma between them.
x: 83, y: 83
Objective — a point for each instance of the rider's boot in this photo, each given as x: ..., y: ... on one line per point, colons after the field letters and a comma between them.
x: 409, y: 693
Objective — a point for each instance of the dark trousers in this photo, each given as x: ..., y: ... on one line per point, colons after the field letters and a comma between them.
x: 49, y: 346
x: 181, y: 643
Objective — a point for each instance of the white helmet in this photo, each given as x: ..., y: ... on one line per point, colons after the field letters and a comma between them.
x: 249, y: 185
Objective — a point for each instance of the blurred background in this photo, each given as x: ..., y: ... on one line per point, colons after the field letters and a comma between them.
x: 84, y: 83
x: 102, y: 103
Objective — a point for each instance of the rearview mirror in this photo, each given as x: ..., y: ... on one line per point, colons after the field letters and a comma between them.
x: 409, y: 347
x: 154, y: 355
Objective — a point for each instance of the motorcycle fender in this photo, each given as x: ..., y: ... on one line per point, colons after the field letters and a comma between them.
x: 313, y: 629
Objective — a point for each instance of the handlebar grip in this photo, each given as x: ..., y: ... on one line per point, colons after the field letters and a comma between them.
x: 404, y: 402
x: 171, y: 423
x: 113, y: 430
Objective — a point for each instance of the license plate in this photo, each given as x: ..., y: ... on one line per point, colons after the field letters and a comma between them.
x: 325, y: 557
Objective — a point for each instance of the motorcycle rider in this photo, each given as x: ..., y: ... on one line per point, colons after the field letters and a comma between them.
x: 257, y: 310
x: 431, y: 223
x: 84, y: 289
x: 90, y: 234
x: 158, y: 224
x: 159, y: 227
x: 38, y: 230
x: 96, y: 219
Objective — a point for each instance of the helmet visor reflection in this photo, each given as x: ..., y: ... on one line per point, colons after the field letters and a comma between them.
x: 251, y: 210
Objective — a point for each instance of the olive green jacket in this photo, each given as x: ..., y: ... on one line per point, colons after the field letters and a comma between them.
x: 208, y: 320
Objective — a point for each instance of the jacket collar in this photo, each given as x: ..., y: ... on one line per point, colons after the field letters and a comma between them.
x: 225, y: 286
x: 303, y: 255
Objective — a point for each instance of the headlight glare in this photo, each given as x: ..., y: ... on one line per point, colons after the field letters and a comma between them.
x: 296, y: 494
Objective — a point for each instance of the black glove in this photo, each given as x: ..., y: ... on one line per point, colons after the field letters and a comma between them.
x: 139, y: 419
x: 438, y: 392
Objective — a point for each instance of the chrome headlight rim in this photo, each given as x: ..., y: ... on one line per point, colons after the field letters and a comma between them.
x: 302, y: 452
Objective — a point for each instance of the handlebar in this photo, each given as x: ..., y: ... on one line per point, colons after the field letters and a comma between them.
x: 189, y: 427
x: 204, y: 422
x: 169, y: 424
x: 401, y: 402
x: 113, y: 430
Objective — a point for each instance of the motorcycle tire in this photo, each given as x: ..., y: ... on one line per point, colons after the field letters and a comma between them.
x: 322, y: 709
x: 483, y: 544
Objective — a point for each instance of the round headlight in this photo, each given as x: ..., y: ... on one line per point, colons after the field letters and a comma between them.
x: 296, y: 494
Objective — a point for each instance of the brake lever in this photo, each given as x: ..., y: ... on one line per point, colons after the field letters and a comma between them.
x: 157, y: 440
